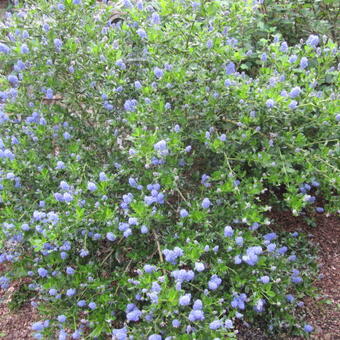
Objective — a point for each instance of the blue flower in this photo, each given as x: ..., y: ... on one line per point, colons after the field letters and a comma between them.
x: 92, y: 305
x: 110, y: 236
x: 308, y: 328
x: 58, y: 43
x: 120, y: 333
x: 223, y: 138
x: 198, y: 305
x: 183, y: 275
x: 290, y: 298
x: 184, y: 300
x: 216, y: 324
x: 49, y: 94
x: 158, y: 72
x: 199, y: 266
x: 121, y: 64
x: 176, y: 323
x: 60, y: 165
x: 214, y: 282
x: 81, y: 303
x: 130, y: 105
x: 296, y: 279
x: 239, y: 240
x: 61, y: 318
x: 264, y: 279
x: 149, y: 268
x: 77, y: 334
x: 270, y: 236
x: 141, y: 33
x: 319, y: 210
x: 154, y: 337
x: 70, y: 292
x: 295, y: 92
x: 62, y: 335
x: 259, y: 305
x: 161, y: 148
x: 293, y: 104
x: 67, y: 197
x: 271, y: 247
x: 53, y: 292
x: 313, y: 40
x: 230, y: 68
x: 42, y: 272
x: 206, y: 203
x: 228, y: 324
x: 13, y: 79
x: 292, y: 59
x: 196, y: 315
x: 102, y: 177
x: 4, y: 48
x: 303, y: 62
x: 284, y: 47
x: 155, y: 18
x: 70, y: 271
x: 172, y: 255
x: 24, y: 49
x: 38, y: 326
x: 239, y: 301
x: 270, y: 103
x: 134, y: 315
x: 91, y: 186
x: 183, y: 213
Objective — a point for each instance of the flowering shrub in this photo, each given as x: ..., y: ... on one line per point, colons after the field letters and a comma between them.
x: 139, y: 154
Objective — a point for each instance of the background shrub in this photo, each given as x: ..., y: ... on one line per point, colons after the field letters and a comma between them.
x: 140, y: 151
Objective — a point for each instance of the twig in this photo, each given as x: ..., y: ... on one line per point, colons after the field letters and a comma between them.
x: 158, y: 247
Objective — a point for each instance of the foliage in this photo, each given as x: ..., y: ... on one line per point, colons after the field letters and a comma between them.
x: 296, y: 20
x: 140, y: 152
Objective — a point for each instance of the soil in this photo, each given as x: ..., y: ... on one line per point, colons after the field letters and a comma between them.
x: 322, y: 312
x: 15, y: 325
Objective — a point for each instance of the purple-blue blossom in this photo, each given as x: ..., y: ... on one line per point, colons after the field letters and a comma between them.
x: 92, y: 305
x: 295, y: 92
x: 42, y: 272
x: 183, y: 213
x: 155, y: 18
x: 303, y: 63
x: 216, y: 324
x: 141, y: 33
x: 230, y: 68
x: 313, y: 40
x: 158, y: 72
x: 61, y: 318
x: 91, y: 186
x: 206, y: 203
x: 58, y: 43
x: 270, y: 103
x: 264, y: 279
x: 308, y: 328
x: 214, y: 282
x: 176, y: 323
x: 199, y: 266
x: 184, y: 300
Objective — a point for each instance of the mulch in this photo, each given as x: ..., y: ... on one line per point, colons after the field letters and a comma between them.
x: 322, y: 312
x: 15, y: 325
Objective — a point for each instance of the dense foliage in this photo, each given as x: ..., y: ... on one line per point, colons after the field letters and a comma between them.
x: 140, y: 150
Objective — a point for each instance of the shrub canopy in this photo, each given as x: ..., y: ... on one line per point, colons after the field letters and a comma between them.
x: 141, y: 147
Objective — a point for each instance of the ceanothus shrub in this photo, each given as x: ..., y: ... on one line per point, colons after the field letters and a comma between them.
x: 139, y: 154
